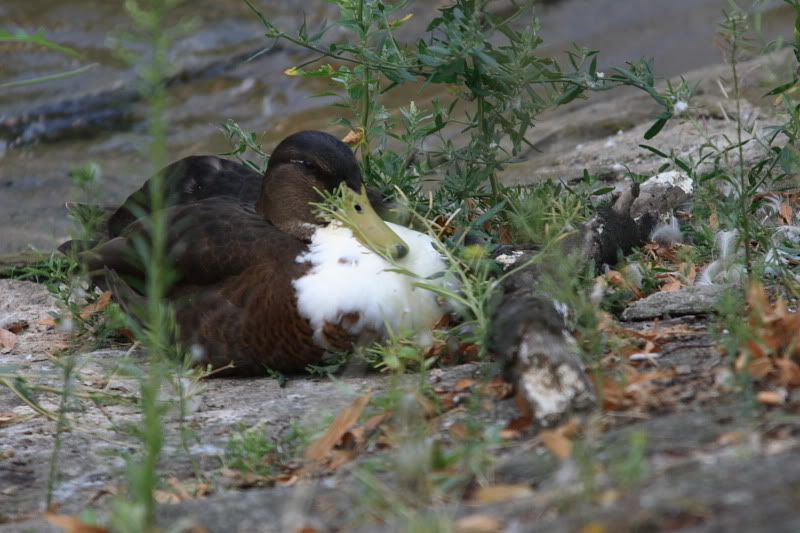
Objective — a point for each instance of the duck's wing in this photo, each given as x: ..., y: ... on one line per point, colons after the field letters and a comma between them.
x: 191, y: 179
x: 207, y: 242
x: 251, y: 321
x: 215, y: 239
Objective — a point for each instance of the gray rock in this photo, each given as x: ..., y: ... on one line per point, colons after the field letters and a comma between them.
x: 689, y: 301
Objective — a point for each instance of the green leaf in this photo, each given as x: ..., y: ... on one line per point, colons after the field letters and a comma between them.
x: 571, y: 94
x: 789, y: 159
x: 49, y: 77
x: 780, y: 89
x: 657, y: 126
x: 654, y: 150
x: 486, y: 59
x: 449, y: 72
x: 38, y: 38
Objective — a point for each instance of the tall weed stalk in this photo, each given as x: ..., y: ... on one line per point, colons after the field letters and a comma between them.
x: 138, y: 512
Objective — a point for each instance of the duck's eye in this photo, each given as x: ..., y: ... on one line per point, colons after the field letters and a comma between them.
x: 358, y: 208
x: 303, y: 162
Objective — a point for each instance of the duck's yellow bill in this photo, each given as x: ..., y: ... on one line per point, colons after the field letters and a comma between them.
x: 368, y: 227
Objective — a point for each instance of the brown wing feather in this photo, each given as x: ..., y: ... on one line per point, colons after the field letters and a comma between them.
x: 190, y: 180
x: 250, y: 320
x: 208, y: 242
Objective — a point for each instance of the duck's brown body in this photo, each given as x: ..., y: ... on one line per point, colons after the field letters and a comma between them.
x: 233, y: 243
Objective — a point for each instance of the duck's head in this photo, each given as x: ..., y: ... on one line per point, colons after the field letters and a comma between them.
x: 307, y: 163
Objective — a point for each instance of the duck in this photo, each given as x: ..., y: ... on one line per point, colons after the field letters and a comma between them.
x: 262, y: 278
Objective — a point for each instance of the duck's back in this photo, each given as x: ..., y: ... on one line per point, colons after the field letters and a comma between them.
x: 192, y: 179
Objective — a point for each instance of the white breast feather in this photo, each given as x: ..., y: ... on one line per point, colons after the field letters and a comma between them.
x: 347, y: 277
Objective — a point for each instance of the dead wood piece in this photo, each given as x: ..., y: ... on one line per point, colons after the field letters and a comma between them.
x: 529, y: 331
x: 541, y: 358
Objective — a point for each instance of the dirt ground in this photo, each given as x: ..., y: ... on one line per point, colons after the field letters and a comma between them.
x: 704, y: 457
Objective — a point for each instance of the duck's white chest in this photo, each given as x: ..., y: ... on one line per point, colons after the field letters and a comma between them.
x: 350, y: 287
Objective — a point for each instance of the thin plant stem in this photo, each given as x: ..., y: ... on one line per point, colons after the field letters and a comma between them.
x: 61, y: 426
x: 156, y: 336
x: 744, y: 203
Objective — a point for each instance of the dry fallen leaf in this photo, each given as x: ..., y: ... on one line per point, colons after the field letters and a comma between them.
x: 501, y: 493
x: 478, y: 523
x: 498, y: 388
x: 165, y: 497
x: 49, y: 323
x: 8, y: 418
x: 671, y: 285
x: 730, y: 438
x: 97, y: 307
x: 186, y: 491
x: 72, y: 524
x: 427, y: 406
x: 612, y: 392
x: 617, y: 279
x: 558, y: 440
x: 459, y: 431
x: 338, y: 458
x: 374, y: 422
x: 713, y: 218
x: 353, y: 138
x: 7, y: 339
x: 322, y: 447
x: 525, y: 412
x: 667, y: 252
x: 760, y: 368
x: 353, y: 439
x: 286, y: 480
x: 16, y: 326
x: 244, y: 480
x: 788, y: 372
x: 463, y: 384
x: 510, y: 434
x: 594, y: 527
x: 769, y: 397
x: 773, y: 353
x: 787, y: 213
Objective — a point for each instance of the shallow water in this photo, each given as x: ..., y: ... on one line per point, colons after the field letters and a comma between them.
x: 34, y: 179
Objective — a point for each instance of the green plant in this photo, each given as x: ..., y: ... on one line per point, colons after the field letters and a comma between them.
x: 732, y: 333
x: 244, y: 146
x: 137, y: 513
x: 39, y: 39
x: 545, y: 212
x: 499, y: 90
x: 630, y: 465
x: 54, y: 271
x: 67, y: 364
x: 252, y: 450
x: 426, y: 470
x: 739, y: 190
x: 550, y: 215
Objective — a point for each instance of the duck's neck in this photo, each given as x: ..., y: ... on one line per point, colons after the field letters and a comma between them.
x: 288, y: 206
